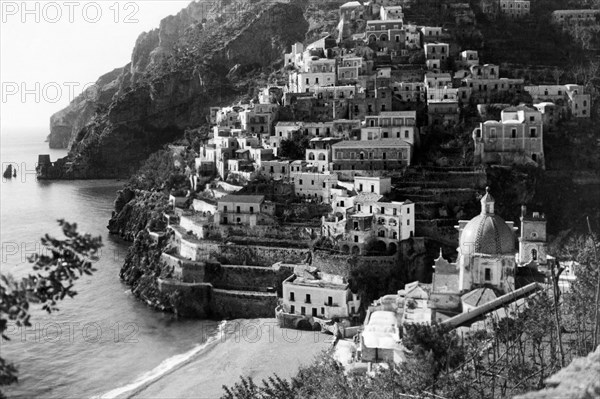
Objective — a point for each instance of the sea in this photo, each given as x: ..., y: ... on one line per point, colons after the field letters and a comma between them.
x: 103, y: 342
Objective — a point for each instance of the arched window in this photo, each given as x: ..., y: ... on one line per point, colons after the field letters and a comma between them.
x: 311, y: 156
x: 321, y: 157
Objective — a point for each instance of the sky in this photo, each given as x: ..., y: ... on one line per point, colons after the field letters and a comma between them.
x: 51, y: 50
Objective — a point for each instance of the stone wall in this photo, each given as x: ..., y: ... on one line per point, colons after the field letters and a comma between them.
x: 300, y: 232
x: 252, y: 278
x: 173, y: 263
x: 259, y: 255
x: 243, y: 304
x: 344, y: 264
x: 246, y: 278
x: 189, y: 299
x: 189, y: 224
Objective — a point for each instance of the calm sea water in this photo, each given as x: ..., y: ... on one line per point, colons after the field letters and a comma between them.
x: 103, y: 341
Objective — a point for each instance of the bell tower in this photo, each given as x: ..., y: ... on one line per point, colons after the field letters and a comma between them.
x: 532, y: 241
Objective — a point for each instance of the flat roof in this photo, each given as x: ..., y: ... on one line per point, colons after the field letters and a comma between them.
x: 247, y: 199
x: 386, y: 143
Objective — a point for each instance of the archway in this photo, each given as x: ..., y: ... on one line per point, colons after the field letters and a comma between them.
x: 303, y: 324
x: 392, y: 248
x: 355, y: 250
x: 379, y: 247
x: 316, y: 326
x: 345, y: 249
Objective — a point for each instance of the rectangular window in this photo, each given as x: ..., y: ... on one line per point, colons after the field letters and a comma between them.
x: 488, y: 274
x: 251, y: 209
x: 238, y: 209
x: 292, y: 299
x: 533, y: 132
x: 329, y: 301
x: 513, y: 133
x: 292, y: 309
x: 314, y: 312
x: 307, y: 298
x: 302, y: 310
x: 225, y: 209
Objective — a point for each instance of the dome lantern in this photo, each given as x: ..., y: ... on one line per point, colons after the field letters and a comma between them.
x: 487, y: 203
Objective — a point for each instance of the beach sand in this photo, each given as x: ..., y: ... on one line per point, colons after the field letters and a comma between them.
x: 256, y: 348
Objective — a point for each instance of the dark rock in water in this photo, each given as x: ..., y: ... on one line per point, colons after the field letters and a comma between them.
x: 8, y: 173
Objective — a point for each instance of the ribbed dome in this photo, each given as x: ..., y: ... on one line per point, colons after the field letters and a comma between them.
x: 487, y: 233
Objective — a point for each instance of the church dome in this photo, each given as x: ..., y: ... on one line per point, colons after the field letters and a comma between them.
x: 487, y: 233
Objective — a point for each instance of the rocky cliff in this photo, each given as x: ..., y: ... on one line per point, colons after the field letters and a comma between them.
x: 65, y: 124
x: 176, y: 73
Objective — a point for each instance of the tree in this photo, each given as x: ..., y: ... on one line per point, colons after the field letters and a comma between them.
x: 294, y: 148
x: 55, y: 273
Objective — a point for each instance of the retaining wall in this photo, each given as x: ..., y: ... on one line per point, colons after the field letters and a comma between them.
x: 194, y: 298
x: 343, y: 264
x: 242, y: 304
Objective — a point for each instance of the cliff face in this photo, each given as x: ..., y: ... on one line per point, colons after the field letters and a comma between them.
x: 176, y: 73
x: 65, y: 124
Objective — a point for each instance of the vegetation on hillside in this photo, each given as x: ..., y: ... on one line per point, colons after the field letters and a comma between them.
x: 515, y: 355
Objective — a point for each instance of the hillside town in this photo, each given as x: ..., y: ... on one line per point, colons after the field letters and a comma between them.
x: 325, y: 174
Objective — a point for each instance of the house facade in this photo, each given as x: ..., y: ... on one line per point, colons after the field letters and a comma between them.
x: 240, y: 210
x: 320, y: 295
x: 516, y: 139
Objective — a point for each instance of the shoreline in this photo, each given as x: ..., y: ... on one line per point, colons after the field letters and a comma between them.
x: 255, y: 348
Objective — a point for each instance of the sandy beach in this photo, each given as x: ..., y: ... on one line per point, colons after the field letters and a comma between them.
x: 256, y: 348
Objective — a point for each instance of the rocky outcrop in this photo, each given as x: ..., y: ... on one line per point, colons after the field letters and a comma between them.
x: 135, y: 211
x: 177, y: 72
x: 65, y: 124
x: 578, y: 380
